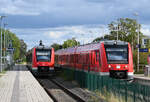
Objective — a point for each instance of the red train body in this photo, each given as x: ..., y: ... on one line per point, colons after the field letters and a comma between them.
x: 40, y: 60
x: 113, y: 58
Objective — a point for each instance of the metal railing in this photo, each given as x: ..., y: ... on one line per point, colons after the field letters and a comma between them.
x: 128, y: 92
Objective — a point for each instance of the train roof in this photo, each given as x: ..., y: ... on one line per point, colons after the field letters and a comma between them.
x: 90, y: 46
x: 42, y: 47
x: 115, y: 42
x: 66, y: 51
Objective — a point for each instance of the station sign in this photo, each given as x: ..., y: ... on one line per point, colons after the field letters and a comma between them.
x: 10, y: 49
x: 143, y: 50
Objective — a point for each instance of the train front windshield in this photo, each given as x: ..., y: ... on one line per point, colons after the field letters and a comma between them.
x: 43, y: 55
x: 117, y: 54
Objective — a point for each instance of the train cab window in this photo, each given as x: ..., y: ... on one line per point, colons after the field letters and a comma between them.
x: 117, y: 54
x: 43, y: 55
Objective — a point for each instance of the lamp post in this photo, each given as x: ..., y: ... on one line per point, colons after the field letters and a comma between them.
x: 1, y: 18
x: 5, y: 24
x: 117, y: 29
x: 138, y: 40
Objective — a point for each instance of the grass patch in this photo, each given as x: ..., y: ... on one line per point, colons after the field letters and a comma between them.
x: 22, y: 63
x: 140, y: 72
x: 3, y: 72
x: 106, y: 96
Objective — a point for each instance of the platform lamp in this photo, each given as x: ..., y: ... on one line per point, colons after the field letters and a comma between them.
x: 138, y: 41
x: 1, y: 18
x: 5, y: 24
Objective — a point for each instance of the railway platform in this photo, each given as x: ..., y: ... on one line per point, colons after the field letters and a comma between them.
x: 19, y: 85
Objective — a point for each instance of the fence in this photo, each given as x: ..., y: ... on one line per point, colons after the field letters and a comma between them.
x: 130, y: 92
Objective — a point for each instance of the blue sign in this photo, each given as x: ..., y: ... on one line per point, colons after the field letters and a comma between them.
x: 143, y: 50
x: 10, y: 49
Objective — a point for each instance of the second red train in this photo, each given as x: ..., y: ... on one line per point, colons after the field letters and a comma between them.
x: 105, y: 58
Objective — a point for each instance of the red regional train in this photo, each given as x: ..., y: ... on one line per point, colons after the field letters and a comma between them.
x: 40, y: 60
x: 105, y: 58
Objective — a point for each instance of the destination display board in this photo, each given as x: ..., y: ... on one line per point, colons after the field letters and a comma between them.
x: 143, y: 50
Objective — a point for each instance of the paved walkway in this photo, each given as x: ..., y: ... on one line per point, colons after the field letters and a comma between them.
x: 18, y: 85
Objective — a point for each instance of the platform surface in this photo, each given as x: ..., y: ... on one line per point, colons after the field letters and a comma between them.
x: 19, y: 85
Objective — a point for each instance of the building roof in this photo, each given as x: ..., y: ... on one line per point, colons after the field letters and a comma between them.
x: 147, y: 36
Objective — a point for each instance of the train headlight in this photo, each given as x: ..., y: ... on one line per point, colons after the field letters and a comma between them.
x: 126, y: 66
x: 109, y: 66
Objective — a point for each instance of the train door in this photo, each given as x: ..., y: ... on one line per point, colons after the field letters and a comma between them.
x: 97, y: 60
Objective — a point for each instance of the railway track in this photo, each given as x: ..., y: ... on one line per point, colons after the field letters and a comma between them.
x: 58, y: 92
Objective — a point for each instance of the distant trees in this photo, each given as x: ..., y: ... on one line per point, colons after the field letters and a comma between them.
x: 18, y: 45
x: 23, y: 49
x: 68, y: 43
x: 56, y: 46
x: 127, y: 30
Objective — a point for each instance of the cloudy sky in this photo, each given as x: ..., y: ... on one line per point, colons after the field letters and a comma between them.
x: 54, y: 21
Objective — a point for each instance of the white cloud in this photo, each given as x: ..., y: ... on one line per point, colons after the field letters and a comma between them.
x: 145, y: 31
x: 55, y: 34
x: 83, y: 34
x: 17, y: 7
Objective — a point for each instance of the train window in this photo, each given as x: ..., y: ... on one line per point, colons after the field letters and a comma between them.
x: 81, y: 59
x: 84, y: 58
x: 67, y: 58
x: 91, y: 57
x: 43, y: 55
x: 117, y: 54
x: 71, y: 58
x: 97, y: 56
x: 88, y: 58
x: 56, y: 58
x: 78, y: 58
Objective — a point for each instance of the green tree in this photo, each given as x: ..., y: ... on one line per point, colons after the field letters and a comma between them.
x: 23, y: 49
x: 127, y: 30
x: 107, y: 36
x: 56, y: 46
x: 70, y: 43
x: 11, y: 38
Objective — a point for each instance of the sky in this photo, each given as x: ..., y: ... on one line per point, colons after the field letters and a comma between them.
x: 55, y: 21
